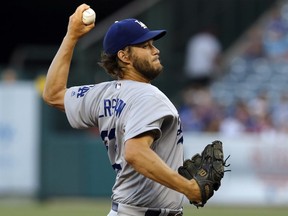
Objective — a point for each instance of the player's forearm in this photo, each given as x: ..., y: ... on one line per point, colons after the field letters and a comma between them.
x: 148, y: 163
x: 57, y: 76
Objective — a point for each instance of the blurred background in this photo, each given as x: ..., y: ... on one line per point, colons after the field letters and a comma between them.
x: 226, y: 70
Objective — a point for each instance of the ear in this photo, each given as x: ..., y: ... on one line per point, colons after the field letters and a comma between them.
x: 123, y: 56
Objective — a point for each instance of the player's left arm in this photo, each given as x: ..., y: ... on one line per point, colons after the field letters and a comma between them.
x: 143, y: 159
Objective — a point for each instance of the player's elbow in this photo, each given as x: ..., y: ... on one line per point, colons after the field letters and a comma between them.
x: 130, y: 156
x: 131, y: 153
x: 55, y: 100
x: 48, y: 97
x: 137, y: 150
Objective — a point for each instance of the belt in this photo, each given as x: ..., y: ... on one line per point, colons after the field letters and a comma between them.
x: 158, y: 212
x: 151, y: 212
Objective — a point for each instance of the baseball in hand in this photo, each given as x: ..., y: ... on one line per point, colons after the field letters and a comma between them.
x: 88, y: 16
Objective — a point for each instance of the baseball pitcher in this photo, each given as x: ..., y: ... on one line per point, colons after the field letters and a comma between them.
x: 138, y: 124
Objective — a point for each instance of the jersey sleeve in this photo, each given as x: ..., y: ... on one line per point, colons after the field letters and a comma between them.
x: 146, y: 114
x: 78, y: 109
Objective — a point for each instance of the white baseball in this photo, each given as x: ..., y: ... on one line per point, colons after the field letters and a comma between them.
x: 89, y: 16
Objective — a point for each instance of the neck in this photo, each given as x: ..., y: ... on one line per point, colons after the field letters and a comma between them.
x: 135, y: 76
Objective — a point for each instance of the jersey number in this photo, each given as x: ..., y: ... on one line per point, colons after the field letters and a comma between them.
x: 107, y: 136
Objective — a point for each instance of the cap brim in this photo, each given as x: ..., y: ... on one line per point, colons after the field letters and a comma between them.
x: 151, y: 35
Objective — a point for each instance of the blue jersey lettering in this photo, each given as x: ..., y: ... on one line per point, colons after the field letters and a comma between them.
x: 82, y: 90
x: 113, y: 107
x: 119, y: 107
x: 107, y: 107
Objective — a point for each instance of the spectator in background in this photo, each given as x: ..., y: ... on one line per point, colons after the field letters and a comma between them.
x: 237, y: 121
x: 202, y: 57
x: 190, y: 118
x: 231, y: 126
x: 259, y: 110
x: 280, y: 114
x: 9, y: 75
x: 199, y: 113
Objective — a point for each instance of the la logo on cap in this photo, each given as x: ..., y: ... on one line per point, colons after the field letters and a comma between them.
x: 127, y: 32
x: 141, y: 24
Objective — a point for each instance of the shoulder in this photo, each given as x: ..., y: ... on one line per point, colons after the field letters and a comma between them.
x: 149, y: 97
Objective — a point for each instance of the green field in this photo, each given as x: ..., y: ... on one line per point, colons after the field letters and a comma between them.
x: 84, y: 207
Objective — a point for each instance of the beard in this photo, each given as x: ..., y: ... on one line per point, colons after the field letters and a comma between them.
x: 148, y: 70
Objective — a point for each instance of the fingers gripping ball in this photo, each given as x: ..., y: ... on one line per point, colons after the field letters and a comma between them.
x: 89, y: 16
x: 207, y: 169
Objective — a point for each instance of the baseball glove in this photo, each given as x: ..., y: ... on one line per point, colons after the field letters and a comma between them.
x: 207, y: 169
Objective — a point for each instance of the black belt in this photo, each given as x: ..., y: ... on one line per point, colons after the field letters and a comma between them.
x: 151, y: 212
x: 158, y: 212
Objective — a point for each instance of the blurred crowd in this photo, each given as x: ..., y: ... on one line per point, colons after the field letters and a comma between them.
x: 201, y: 112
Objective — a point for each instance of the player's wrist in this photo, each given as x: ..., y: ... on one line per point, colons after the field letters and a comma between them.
x: 71, y: 38
x: 195, y: 192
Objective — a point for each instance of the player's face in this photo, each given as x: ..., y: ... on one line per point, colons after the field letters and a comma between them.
x: 145, y: 59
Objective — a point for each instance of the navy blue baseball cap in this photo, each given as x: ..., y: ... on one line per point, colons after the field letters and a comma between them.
x: 128, y: 32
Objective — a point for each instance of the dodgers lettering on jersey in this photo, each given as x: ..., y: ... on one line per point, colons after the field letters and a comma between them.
x: 81, y: 91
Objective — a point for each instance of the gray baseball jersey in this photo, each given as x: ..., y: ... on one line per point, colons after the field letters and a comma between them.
x: 122, y: 110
